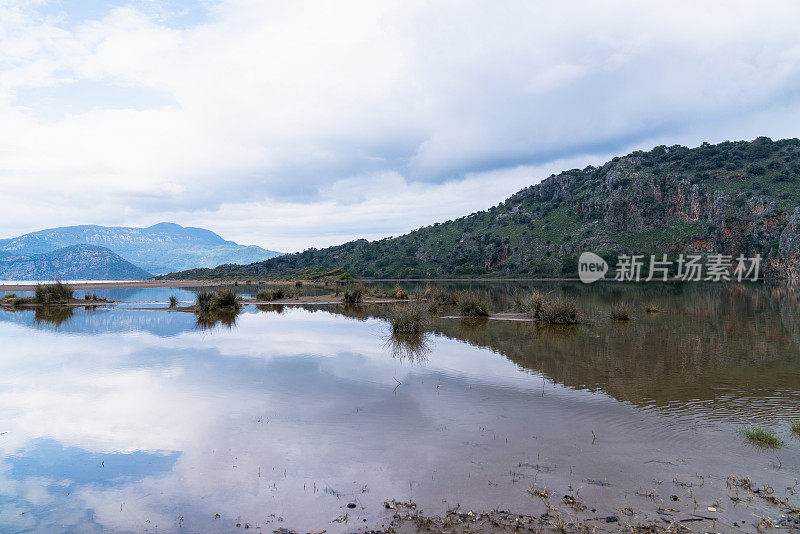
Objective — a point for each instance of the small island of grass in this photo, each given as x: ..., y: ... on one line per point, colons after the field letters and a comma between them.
x: 762, y: 437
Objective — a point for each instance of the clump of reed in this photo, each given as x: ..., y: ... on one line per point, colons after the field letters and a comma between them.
x: 530, y: 303
x: 470, y: 304
x: 268, y: 295
x: 226, y: 299
x: 222, y: 300
x: 436, y: 297
x: 796, y: 428
x: 547, y: 309
x: 399, y: 293
x: 205, y: 301
x: 396, y: 293
x: 440, y: 296
x: 13, y: 301
x: 620, y: 311
x: 559, y: 310
x: 408, y: 319
x: 762, y: 437
x: 651, y: 307
x: 354, y: 294
x: 57, y: 293
x: 173, y: 301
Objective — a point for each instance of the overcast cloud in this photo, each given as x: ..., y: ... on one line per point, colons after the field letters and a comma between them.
x: 296, y: 124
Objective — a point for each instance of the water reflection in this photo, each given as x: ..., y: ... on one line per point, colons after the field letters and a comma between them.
x: 412, y: 347
x: 134, y: 420
x: 52, y: 315
x: 709, y: 345
x: 210, y: 319
x: 271, y: 308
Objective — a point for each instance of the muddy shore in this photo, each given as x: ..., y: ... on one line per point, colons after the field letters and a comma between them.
x: 569, y: 514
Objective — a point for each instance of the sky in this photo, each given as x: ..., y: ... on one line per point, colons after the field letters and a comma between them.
x: 306, y: 124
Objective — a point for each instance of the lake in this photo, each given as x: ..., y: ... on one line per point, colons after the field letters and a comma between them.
x: 312, y: 417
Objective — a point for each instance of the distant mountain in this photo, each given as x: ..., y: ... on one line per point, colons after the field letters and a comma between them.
x: 732, y: 198
x: 77, y: 262
x: 158, y: 249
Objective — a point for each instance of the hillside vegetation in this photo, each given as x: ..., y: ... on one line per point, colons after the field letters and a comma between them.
x: 733, y: 198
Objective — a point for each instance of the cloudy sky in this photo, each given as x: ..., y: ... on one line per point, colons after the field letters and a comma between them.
x: 297, y: 124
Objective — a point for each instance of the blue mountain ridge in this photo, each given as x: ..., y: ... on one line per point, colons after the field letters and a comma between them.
x: 158, y: 249
x: 88, y: 262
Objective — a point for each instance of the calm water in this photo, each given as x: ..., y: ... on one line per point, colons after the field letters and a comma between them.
x: 133, y: 420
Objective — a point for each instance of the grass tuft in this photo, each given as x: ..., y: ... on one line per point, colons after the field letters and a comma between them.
x: 559, y: 310
x: 13, y: 301
x: 268, y: 295
x: 354, y: 294
x: 226, y: 300
x: 222, y: 300
x: 410, y: 319
x: 264, y: 295
x: 173, y: 301
x: 796, y: 428
x: 620, y: 312
x: 547, y: 309
x: 762, y: 437
x: 471, y: 305
x: 399, y: 293
x: 651, y: 308
x: 205, y: 301
x: 530, y: 303
x: 57, y: 293
x: 436, y: 297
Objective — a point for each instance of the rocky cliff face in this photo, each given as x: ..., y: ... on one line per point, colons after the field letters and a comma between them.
x: 78, y: 262
x: 732, y: 198
x: 787, y: 260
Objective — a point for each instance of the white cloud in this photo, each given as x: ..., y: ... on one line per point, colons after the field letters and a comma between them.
x: 309, y: 123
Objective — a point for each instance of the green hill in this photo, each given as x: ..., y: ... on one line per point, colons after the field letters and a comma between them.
x: 733, y: 198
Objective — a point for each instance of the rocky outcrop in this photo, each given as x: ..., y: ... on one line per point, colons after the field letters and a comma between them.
x: 788, y: 258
